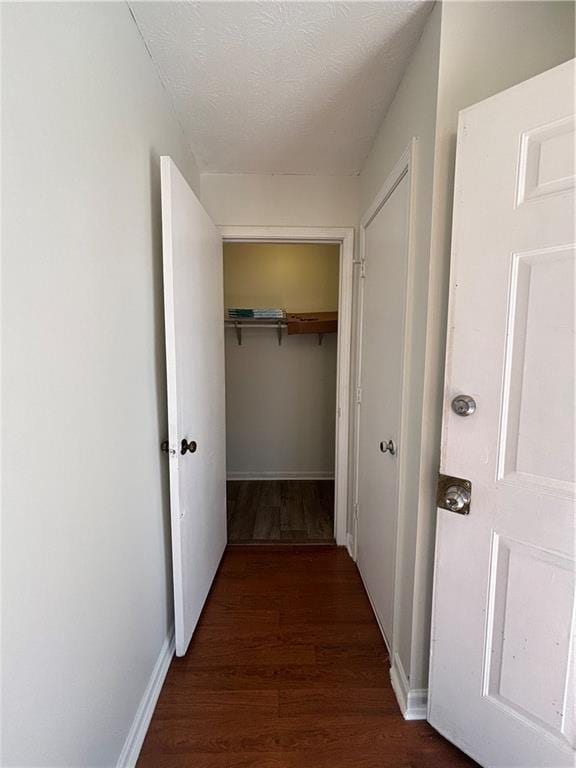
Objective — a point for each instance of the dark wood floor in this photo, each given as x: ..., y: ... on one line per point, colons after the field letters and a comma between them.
x: 294, y: 511
x: 287, y: 669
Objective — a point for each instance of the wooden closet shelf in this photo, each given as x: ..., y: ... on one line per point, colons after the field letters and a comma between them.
x: 295, y: 322
x: 312, y: 322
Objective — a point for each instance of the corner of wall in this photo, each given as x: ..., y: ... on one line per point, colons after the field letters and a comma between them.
x: 413, y: 702
x: 137, y: 733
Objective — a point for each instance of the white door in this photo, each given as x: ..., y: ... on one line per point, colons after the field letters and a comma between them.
x: 385, y: 268
x: 502, y: 662
x: 194, y: 318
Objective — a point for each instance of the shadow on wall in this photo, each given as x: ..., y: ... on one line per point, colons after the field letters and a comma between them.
x: 160, y: 365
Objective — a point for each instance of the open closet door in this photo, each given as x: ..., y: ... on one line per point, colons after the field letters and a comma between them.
x: 193, y: 307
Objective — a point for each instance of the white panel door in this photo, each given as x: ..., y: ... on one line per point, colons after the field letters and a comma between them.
x: 193, y: 305
x: 502, y: 662
x: 382, y: 352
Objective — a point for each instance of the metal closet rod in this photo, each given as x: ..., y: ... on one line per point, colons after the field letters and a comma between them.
x: 279, y: 325
x: 239, y: 324
x: 242, y: 324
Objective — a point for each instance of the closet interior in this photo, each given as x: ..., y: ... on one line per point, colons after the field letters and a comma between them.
x: 281, y: 328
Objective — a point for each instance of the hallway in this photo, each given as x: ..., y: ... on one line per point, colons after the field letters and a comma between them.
x: 287, y: 669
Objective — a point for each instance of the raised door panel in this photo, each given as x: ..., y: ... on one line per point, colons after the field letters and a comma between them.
x: 523, y: 628
x: 537, y: 441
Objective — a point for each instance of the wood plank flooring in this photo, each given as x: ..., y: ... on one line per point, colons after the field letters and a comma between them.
x: 287, y: 669
x: 294, y: 511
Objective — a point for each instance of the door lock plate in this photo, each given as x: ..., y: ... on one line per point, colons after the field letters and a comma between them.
x: 454, y: 494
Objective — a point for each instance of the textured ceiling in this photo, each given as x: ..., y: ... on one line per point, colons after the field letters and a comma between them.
x: 281, y: 87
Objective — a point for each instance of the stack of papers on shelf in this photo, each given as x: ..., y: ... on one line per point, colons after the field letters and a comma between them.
x: 278, y: 314
x: 257, y: 314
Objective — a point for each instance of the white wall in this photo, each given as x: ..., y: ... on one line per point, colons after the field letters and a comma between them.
x: 293, y: 201
x: 280, y: 405
x: 277, y: 200
x: 85, y: 563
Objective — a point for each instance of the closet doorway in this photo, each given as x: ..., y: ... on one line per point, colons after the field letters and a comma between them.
x: 287, y: 297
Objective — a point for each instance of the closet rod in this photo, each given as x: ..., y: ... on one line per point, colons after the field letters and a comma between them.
x: 238, y: 325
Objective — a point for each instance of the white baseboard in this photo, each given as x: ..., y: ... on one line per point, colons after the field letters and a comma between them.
x: 280, y: 476
x: 413, y: 702
x: 139, y: 727
x: 350, y: 545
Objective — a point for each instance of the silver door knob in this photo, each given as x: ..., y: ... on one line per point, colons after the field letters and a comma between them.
x: 456, y: 498
x: 463, y: 405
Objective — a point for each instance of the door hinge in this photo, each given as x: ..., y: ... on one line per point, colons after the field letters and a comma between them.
x: 363, y: 268
x: 358, y: 394
x: 356, y: 510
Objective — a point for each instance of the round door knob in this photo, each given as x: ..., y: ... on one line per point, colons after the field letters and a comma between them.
x: 188, y: 446
x: 388, y: 447
x: 456, y: 498
x: 463, y: 405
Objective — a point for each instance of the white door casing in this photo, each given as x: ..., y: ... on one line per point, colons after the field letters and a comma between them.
x: 194, y: 311
x: 386, y: 255
x: 502, y: 657
x: 345, y: 238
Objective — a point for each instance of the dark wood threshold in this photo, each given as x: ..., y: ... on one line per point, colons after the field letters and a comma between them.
x: 283, y: 544
x: 280, y: 512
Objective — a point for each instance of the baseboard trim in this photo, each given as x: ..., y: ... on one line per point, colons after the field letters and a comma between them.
x: 139, y: 727
x: 280, y: 476
x: 413, y: 703
x: 350, y: 545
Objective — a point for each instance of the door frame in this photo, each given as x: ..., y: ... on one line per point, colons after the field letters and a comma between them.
x: 405, y: 167
x: 344, y: 237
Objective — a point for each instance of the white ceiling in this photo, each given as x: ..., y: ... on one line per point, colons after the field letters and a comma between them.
x: 281, y: 87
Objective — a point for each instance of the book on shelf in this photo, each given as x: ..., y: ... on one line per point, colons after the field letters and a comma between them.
x: 256, y: 314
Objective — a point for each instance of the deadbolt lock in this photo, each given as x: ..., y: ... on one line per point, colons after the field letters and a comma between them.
x: 454, y: 494
x: 463, y: 405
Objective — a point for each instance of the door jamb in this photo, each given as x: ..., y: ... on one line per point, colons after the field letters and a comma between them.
x: 344, y: 237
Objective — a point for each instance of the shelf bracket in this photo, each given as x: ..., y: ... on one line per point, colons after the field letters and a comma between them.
x: 238, y: 328
x: 279, y: 331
